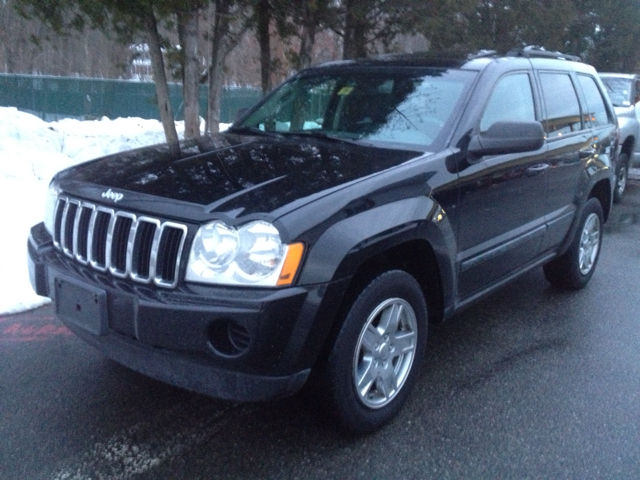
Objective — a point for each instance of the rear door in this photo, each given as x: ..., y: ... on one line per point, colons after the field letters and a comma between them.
x: 574, y: 143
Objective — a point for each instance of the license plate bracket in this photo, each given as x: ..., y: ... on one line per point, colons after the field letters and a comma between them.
x: 82, y: 305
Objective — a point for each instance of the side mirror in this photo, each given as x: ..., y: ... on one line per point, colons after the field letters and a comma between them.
x: 507, y: 137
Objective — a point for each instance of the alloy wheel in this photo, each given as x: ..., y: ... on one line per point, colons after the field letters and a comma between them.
x: 385, y: 352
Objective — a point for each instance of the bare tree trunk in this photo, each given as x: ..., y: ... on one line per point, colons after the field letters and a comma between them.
x: 188, y: 34
x: 355, y: 30
x: 263, y: 12
x: 215, y: 93
x: 220, y: 28
x: 160, y: 79
x: 222, y: 42
x: 307, y: 35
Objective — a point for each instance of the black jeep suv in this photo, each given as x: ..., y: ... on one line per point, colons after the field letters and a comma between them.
x: 319, y: 236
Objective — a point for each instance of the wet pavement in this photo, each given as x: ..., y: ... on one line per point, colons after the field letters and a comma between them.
x: 529, y: 383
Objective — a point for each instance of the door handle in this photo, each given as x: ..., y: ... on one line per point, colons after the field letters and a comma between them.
x: 587, y: 152
x: 537, y: 168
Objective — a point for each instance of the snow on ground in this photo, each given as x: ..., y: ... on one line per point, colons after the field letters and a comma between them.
x: 31, y: 152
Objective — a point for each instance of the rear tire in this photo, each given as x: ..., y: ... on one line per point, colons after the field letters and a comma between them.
x: 575, y: 267
x: 622, y: 175
x: 375, y: 359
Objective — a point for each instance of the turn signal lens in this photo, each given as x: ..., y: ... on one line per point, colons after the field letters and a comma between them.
x: 291, y: 264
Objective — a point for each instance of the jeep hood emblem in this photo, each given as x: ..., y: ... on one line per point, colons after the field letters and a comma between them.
x: 111, y: 195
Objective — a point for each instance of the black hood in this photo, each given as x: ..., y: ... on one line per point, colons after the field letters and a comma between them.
x: 227, y: 172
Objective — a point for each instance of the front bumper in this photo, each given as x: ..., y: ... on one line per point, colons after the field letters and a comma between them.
x: 232, y: 343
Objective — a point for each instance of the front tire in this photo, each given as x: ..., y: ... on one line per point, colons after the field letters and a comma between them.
x: 376, y: 357
x: 575, y: 267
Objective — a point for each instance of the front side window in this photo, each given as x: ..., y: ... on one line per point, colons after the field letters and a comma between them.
x: 511, y: 100
x: 562, y: 106
x: 380, y: 106
x: 596, y: 108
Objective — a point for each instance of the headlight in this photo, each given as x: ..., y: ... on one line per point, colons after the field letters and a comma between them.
x: 250, y: 255
x: 215, y: 246
x: 50, y: 207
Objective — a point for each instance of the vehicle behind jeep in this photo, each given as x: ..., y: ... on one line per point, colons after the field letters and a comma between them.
x: 624, y: 91
x: 315, y: 241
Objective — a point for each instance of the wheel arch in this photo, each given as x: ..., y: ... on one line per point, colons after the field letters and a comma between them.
x: 627, y: 145
x: 602, y: 191
x: 413, y: 234
x: 416, y: 257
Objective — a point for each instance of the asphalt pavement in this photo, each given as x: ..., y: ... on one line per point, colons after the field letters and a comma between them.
x: 529, y: 383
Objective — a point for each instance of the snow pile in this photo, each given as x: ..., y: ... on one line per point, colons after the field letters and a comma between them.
x: 31, y: 151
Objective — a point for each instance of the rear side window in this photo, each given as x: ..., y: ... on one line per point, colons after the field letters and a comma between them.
x: 597, y: 113
x: 511, y: 100
x: 562, y: 106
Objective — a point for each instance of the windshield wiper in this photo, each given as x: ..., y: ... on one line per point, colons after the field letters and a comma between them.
x: 321, y: 135
x: 252, y: 131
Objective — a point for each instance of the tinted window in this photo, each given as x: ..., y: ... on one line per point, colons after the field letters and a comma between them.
x: 562, y: 106
x: 596, y: 108
x: 511, y: 100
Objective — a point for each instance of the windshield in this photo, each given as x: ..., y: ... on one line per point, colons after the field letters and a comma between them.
x: 619, y: 90
x: 401, y: 106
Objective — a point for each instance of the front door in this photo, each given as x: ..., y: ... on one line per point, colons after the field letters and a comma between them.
x: 500, y: 217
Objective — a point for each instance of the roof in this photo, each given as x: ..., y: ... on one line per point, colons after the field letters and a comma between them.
x: 450, y: 58
x: 418, y: 59
x: 629, y: 76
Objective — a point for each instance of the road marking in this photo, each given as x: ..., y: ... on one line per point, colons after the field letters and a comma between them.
x: 38, y: 329
x: 145, y: 446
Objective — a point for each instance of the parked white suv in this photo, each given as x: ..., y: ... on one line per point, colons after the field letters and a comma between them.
x: 624, y: 91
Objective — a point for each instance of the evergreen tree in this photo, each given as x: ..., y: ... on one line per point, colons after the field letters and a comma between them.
x: 605, y: 34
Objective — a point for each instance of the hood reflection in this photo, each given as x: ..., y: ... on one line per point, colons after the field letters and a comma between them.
x: 230, y: 171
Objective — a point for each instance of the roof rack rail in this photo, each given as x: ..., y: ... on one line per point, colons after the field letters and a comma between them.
x: 481, y: 54
x: 534, y: 51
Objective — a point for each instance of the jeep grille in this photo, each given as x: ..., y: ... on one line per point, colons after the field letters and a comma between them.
x: 126, y: 245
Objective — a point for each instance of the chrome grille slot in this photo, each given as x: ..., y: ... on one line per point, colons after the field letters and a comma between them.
x: 144, y: 249
x: 172, y: 238
x: 60, y: 205
x: 98, y: 238
x: 69, y: 222
x: 81, y: 235
x: 118, y: 242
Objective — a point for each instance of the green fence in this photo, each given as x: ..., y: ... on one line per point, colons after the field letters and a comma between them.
x: 52, y: 98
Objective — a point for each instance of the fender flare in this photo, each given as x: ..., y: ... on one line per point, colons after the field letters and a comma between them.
x: 350, y: 242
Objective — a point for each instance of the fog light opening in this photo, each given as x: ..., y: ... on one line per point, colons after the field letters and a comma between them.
x: 228, y: 338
